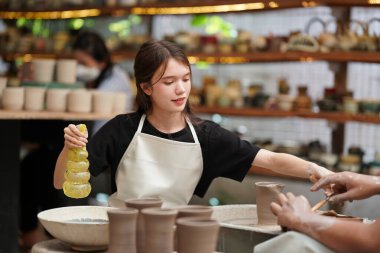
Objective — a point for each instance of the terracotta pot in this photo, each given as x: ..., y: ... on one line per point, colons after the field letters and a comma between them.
x: 122, y: 230
x: 141, y: 204
x: 159, y: 228
x: 194, y: 211
x: 267, y: 192
x: 191, y: 211
x: 197, y: 234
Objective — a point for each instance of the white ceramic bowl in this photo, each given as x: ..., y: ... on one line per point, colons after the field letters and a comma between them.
x: 84, y: 228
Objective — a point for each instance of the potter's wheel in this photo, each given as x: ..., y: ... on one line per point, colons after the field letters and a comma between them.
x: 54, y: 246
x: 242, y: 217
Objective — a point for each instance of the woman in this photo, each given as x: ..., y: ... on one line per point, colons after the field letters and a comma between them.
x: 164, y: 149
x: 96, y: 69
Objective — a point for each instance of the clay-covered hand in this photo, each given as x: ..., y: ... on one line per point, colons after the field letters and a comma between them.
x: 291, y: 211
x: 316, y: 172
x: 73, y: 137
x: 349, y: 186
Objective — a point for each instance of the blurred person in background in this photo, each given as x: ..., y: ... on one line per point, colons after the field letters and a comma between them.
x: 96, y: 69
x: 43, y: 139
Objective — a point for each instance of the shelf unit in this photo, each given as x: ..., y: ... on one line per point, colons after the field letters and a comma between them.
x: 178, y: 8
x: 337, y: 117
x: 232, y: 58
x: 339, y: 59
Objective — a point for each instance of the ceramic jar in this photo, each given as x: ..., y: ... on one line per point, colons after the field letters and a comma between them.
x: 266, y: 193
x: 197, y: 234
x: 102, y: 102
x: 56, y: 100
x: 43, y: 70
x: 303, y: 101
x: 122, y: 230
x: 79, y: 101
x: 140, y: 204
x: 35, y: 98
x: 66, y: 71
x: 13, y: 98
x: 159, y: 228
x: 194, y: 211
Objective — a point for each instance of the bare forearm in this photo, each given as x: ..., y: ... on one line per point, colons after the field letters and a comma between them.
x: 290, y: 165
x: 60, y: 168
x: 282, y: 163
x: 343, y: 236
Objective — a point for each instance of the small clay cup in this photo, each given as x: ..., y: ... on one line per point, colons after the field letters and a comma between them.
x: 56, y: 100
x: 102, y: 102
x: 13, y: 98
x: 194, y: 211
x: 122, y: 230
x: 120, y: 102
x: 79, y: 100
x: 66, y: 71
x: 140, y: 204
x: 191, y: 211
x: 266, y: 193
x: 159, y: 229
x: 197, y: 234
x: 35, y: 98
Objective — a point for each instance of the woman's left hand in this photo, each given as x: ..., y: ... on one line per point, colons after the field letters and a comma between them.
x: 316, y: 172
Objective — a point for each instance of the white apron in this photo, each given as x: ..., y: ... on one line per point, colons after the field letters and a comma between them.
x: 153, y: 166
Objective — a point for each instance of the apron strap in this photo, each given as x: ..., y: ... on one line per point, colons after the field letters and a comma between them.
x: 192, y: 130
x: 141, y: 123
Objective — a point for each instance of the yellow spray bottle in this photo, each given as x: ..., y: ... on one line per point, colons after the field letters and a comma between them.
x: 77, y: 176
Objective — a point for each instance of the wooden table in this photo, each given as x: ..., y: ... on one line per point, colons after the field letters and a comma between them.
x: 10, y: 142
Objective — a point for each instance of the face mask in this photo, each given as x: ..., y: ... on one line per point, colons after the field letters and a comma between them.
x: 87, y: 74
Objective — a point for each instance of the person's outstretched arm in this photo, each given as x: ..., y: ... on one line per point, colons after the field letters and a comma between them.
x: 349, y: 186
x: 289, y: 165
x: 339, y: 235
x: 73, y: 139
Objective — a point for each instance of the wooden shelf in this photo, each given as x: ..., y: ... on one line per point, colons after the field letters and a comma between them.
x: 338, y: 117
x: 45, y: 115
x: 178, y: 8
x: 233, y: 58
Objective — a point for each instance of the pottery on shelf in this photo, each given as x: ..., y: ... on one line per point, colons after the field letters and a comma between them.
x: 122, y: 230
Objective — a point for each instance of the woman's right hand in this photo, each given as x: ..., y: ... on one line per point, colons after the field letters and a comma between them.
x: 349, y: 186
x: 73, y: 137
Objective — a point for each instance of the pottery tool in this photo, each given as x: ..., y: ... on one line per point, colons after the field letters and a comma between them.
x: 321, y: 203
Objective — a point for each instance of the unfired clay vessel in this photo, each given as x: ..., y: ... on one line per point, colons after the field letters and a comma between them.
x: 141, y: 204
x: 197, y: 234
x: 159, y: 229
x: 122, y: 230
x: 194, y: 211
x: 191, y: 211
x: 267, y: 192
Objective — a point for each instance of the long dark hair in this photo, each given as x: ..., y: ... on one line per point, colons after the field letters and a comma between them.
x: 152, y: 56
x: 93, y: 44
